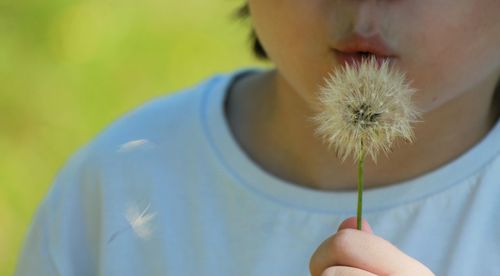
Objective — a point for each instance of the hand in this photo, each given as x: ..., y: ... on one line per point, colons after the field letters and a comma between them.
x: 354, y: 252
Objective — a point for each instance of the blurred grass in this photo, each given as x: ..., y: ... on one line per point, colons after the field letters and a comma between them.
x: 69, y: 68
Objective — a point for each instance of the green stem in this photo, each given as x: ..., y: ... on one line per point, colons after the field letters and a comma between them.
x: 361, y: 159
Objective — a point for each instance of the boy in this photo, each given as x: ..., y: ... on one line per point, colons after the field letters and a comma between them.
x: 227, y: 178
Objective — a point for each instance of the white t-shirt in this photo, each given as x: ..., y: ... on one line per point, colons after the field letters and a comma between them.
x: 166, y: 190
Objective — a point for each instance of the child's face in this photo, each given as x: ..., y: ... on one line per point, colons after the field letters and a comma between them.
x: 447, y: 47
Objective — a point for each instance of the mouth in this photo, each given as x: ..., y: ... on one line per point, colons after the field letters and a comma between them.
x: 356, y: 48
x: 353, y: 59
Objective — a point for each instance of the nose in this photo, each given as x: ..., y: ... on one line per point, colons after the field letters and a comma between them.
x: 365, y: 19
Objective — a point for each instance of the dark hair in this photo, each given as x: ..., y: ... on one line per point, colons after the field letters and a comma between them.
x: 243, y: 13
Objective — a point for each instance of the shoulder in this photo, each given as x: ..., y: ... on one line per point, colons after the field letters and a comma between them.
x: 165, y: 125
x: 163, y: 119
x: 164, y: 135
x: 157, y: 118
x: 161, y: 122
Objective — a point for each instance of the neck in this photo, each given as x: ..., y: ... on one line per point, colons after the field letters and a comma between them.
x: 270, y: 122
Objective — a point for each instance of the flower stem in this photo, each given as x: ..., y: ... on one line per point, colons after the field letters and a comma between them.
x: 361, y: 160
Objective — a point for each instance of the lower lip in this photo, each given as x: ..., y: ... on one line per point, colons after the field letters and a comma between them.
x: 354, y: 59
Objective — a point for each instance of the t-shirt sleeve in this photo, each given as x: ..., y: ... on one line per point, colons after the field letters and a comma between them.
x: 64, y: 235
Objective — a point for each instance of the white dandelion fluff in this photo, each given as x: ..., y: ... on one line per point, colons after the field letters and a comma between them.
x: 135, y: 144
x: 140, y: 222
x: 365, y: 108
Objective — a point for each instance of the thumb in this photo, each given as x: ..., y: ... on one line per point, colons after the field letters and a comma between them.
x: 332, y: 252
x: 351, y: 223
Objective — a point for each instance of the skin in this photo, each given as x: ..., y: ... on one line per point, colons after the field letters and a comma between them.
x: 354, y: 252
x: 448, y: 49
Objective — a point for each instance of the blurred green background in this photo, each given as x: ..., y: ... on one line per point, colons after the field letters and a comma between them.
x: 69, y: 68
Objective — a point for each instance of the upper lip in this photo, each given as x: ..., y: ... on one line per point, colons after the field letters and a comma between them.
x: 373, y: 45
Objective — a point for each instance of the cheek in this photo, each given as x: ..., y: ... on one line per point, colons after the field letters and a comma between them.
x: 276, y: 25
x: 288, y: 31
x: 294, y: 36
x: 454, y: 55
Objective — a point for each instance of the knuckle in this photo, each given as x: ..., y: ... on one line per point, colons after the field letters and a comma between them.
x: 341, y: 240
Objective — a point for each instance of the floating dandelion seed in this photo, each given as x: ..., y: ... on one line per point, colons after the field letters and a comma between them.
x: 135, y: 145
x: 363, y: 109
x: 138, y: 221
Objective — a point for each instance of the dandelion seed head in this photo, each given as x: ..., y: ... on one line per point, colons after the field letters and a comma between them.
x: 365, y: 107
